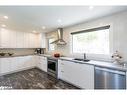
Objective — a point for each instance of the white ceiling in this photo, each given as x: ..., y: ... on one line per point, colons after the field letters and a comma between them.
x: 29, y: 18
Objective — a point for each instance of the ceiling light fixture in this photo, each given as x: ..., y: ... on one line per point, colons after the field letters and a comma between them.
x: 3, y: 25
x: 5, y: 17
x: 91, y: 7
x: 43, y: 27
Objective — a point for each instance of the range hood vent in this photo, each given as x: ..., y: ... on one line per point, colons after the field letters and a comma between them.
x: 60, y: 40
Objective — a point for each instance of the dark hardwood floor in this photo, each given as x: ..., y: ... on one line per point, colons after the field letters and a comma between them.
x: 32, y: 79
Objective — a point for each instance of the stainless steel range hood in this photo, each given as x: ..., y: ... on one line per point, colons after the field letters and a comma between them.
x: 60, y: 40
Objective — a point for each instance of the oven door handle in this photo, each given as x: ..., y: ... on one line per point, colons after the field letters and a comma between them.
x: 52, y: 61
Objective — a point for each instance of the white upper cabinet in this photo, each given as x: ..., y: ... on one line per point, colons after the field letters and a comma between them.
x: 31, y: 40
x: 15, y: 39
x: 38, y: 40
x: 4, y: 38
x: 43, y: 40
x: 20, y: 40
x: 27, y: 40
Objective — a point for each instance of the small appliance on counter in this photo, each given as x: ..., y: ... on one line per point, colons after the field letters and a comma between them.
x: 57, y: 55
x: 6, y: 54
x: 2, y: 54
x: 10, y: 54
x: 39, y: 51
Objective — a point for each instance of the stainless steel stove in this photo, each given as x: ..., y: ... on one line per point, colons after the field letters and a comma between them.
x: 53, y: 66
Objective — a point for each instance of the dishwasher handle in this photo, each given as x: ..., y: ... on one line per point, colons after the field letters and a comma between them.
x: 110, y: 70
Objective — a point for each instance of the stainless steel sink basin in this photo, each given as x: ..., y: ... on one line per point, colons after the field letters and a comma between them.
x: 78, y: 59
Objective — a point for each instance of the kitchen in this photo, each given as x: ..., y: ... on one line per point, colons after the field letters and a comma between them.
x: 54, y: 47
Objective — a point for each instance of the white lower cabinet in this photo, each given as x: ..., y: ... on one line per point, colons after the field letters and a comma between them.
x: 13, y: 64
x: 36, y: 59
x: 42, y: 63
x: 81, y: 75
x: 5, y: 65
x: 24, y: 62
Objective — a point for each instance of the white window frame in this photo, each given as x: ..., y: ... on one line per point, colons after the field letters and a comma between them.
x: 93, y: 29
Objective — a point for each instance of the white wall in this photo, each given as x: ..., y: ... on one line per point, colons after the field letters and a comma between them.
x: 118, y: 35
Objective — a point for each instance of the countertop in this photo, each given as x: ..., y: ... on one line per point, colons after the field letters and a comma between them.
x: 26, y: 55
x: 16, y: 56
x: 99, y: 63
x: 91, y: 62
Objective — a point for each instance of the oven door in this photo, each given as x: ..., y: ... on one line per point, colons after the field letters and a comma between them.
x: 52, y: 66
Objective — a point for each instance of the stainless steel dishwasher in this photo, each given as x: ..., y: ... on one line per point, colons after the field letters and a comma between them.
x: 109, y: 79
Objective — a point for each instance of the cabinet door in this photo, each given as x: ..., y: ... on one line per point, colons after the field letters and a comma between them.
x: 28, y: 62
x: 26, y: 40
x: 13, y: 37
x: 43, y: 40
x: 63, y: 69
x: 85, y: 76
x: 24, y: 62
x: 8, y: 65
x: 20, y: 40
x: 5, y: 65
x: 36, y: 61
x: 68, y: 71
x: 37, y: 39
x: 43, y: 63
x: 81, y: 75
x: 5, y: 38
x: 20, y: 62
x: 33, y: 61
x: 14, y: 64
x: 32, y: 40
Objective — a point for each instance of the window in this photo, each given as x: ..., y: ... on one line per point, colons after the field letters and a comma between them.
x: 92, y: 41
x: 51, y: 47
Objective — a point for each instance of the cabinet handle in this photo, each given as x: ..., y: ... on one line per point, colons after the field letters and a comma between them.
x: 62, y: 71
